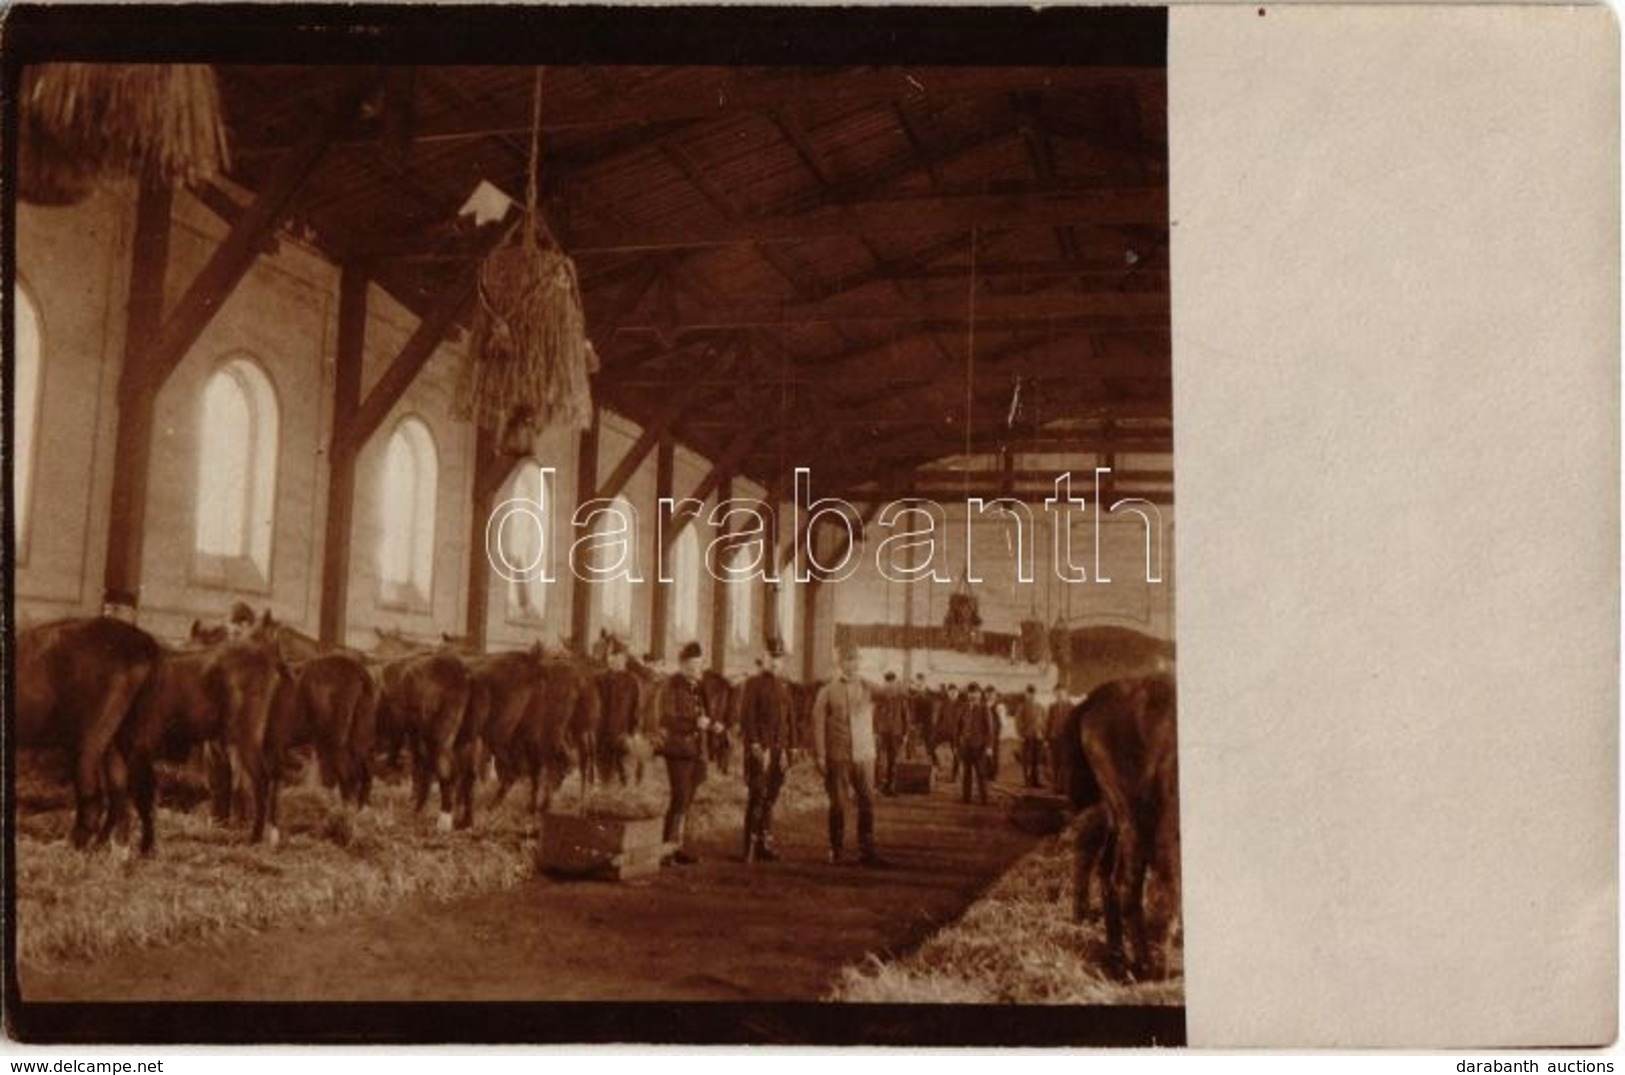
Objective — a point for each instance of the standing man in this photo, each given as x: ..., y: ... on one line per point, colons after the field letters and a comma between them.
x: 765, y: 713
x: 1060, y: 751
x: 683, y: 722
x: 891, y: 724
x: 843, y: 744
x: 978, y: 735
x: 618, y: 698
x: 948, y: 721
x: 1030, y: 728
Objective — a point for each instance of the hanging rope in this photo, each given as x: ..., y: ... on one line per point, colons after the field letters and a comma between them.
x: 529, y: 362
x: 964, y: 619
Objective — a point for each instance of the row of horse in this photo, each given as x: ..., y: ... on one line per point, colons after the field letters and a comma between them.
x: 115, y: 701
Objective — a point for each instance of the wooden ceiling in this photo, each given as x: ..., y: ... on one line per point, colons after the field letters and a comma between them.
x: 780, y: 266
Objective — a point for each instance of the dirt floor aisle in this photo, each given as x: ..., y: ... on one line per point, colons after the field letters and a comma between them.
x: 719, y: 930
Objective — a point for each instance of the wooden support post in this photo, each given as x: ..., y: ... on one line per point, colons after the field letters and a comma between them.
x: 586, y: 486
x: 232, y: 259
x: 489, y: 471
x: 720, y: 605
x: 771, y: 592
x: 138, y: 391
x: 341, y: 455
x: 809, y: 622
x: 660, y: 592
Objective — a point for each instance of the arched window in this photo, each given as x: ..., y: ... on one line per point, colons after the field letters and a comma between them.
x: 524, y: 544
x: 786, y: 594
x: 27, y: 386
x: 742, y: 600
x: 686, y: 572
x: 617, y: 589
x: 407, y: 516
x: 236, y: 486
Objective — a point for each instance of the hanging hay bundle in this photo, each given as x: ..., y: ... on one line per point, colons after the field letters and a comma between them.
x: 81, y: 122
x: 1034, y: 641
x: 529, y: 363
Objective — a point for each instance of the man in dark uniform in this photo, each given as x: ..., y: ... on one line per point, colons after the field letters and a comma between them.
x: 1060, y: 751
x: 891, y: 723
x: 948, y: 721
x: 978, y: 735
x: 618, y: 695
x: 764, y: 715
x: 683, y: 722
x: 1030, y: 728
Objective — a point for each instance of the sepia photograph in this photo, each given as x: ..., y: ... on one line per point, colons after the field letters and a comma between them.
x: 591, y: 525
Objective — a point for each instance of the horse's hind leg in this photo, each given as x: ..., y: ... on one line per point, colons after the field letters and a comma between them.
x: 144, y: 792
x: 116, y: 823
x: 1094, y: 844
x: 445, y: 771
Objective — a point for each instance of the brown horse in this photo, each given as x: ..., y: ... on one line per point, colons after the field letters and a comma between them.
x: 423, y: 706
x: 219, y: 697
x: 1129, y: 835
x: 337, y: 704
x: 528, y: 730
x: 77, y: 683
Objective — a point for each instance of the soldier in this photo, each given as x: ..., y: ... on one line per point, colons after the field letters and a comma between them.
x: 240, y: 624
x: 1030, y: 728
x: 683, y: 722
x: 978, y: 735
x: 618, y: 695
x: 765, y: 714
x: 843, y: 744
x: 1060, y: 708
x: 891, y: 724
x: 947, y: 731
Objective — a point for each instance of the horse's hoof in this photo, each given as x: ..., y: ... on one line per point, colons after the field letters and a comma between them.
x: 118, y: 853
x: 273, y: 835
x: 443, y: 822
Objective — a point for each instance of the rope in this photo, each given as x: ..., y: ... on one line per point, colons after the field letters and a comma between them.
x: 533, y: 216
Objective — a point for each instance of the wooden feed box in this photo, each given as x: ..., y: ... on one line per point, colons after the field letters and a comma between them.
x: 1042, y: 815
x: 610, y: 848
x: 915, y: 777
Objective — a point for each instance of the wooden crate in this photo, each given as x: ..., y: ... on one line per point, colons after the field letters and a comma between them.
x: 1040, y: 814
x: 915, y: 777
x: 610, y: 848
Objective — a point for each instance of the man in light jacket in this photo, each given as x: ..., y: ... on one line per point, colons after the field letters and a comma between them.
x: 843, y: 744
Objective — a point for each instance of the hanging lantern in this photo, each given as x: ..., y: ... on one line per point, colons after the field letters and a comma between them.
x: 79, y: 123
x: 529, y: 363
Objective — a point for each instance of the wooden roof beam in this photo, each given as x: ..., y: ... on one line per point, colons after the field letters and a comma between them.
x: 931, y: 214
x: 1124, y: 309
x: 730, y: 95
x: 658, y: 425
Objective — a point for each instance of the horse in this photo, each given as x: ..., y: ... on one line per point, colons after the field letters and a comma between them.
x: 216, y: 696
x: 423, y: 706
x: 328, y: 701
x: 78, y: 681
x: 1126, y: 777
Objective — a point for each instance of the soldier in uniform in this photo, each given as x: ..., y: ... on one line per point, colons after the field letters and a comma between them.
x: 241, y: 623
x: 765, y: 713
x: 891, y: 724
x: 843, y: 744
x: 952, y: 715
x: 1030, y: 728
x: 683, y: 723
x: 978, y: 736
x: 618, y: 695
